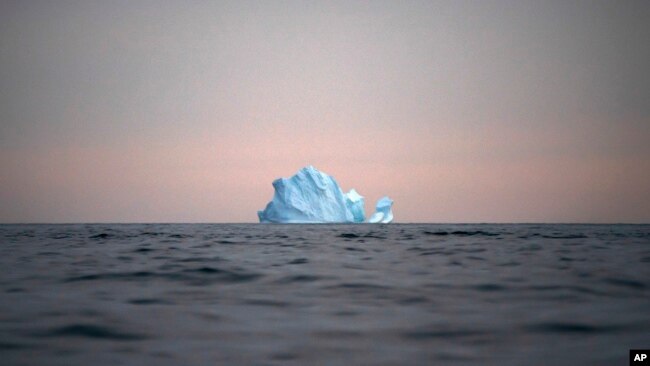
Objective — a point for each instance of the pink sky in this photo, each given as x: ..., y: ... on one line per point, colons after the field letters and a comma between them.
x: 459, y: 111
x: 212, y: 179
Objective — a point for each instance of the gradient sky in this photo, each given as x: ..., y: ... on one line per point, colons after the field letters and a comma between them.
x: 175, y: 111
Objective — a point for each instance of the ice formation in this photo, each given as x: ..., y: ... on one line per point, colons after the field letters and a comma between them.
x: 311, y: 196
x: 383, y: 213
x: 354, y: 203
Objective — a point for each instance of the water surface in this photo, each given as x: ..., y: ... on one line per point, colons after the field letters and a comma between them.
x: 251, y: 294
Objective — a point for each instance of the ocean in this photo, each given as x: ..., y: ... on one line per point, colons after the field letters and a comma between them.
x: 264, y: 294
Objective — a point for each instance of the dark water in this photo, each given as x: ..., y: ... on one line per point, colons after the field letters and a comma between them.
x: 323, y: 294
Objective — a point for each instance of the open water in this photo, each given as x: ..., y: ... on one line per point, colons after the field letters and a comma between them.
x: 252, y: 294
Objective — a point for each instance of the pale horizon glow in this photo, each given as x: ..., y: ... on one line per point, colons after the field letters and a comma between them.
x: 163, y: 111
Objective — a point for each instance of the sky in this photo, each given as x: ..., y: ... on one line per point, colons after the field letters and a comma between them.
x: 460, y: 111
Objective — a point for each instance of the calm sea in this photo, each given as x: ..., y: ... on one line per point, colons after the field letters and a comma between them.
x: 252, y: 294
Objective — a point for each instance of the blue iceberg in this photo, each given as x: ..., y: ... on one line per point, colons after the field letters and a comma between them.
x: 311, y: 196
x: 383, y: 213
x: 354, y: 202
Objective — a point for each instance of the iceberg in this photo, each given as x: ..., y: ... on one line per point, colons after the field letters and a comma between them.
x: 383, y: 213
x: 311, y: 196
x: 354, y: 202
